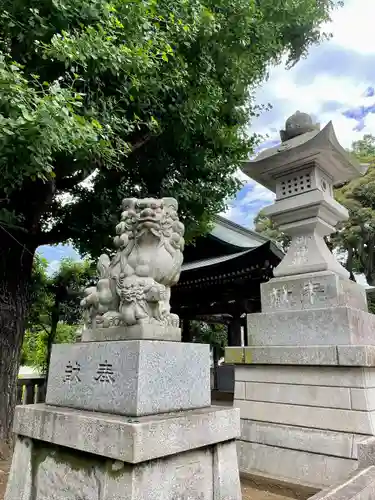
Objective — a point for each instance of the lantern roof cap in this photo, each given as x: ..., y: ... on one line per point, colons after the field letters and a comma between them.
x: 312, y: 147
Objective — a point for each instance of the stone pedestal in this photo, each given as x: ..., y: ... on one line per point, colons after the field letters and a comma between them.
x: 66, y: 449
x: 306, y: 386
x: 132, y: 378
x: 65, y: 454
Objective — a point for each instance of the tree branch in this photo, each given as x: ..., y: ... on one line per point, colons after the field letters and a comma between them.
x: 142, y: 142
x: 65, y: 183
x: 57, y: 234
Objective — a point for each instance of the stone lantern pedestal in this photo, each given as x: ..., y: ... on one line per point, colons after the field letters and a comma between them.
x: 305, y: 386
x: 127, y: 413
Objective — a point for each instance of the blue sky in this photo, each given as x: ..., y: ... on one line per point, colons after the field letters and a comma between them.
x: 335, y: 82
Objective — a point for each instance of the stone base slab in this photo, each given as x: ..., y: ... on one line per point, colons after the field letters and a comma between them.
x: 314, y: 417
x: 298, y: 467
x: 135, y: 377
x: 359, y: 486
x: 324, y: 442
x: 135, y: 332
x: 311, y: 291
x: 327, y: 326
x: 50, y: 472
x: 319, y: 355
x: 329, y: 376
x: 304, y: 424
x: 128, y: 440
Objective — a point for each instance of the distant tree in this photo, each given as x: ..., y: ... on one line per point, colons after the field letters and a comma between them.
x: 356, y: 237
x: 55, y: 314
x: 265, y: 226
x: 35, y: 344
x: 214, y: 334
x: 145, y: 98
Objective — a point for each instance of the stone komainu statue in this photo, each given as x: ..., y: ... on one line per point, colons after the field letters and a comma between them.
x: 134, y: 287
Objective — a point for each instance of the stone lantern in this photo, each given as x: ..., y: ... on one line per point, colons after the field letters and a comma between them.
x: 305, y: 382
x: 302, y: 171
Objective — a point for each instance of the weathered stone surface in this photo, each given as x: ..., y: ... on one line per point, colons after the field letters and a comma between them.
x: 187, y: 475
x: 328, y: 326
x: 356, y: 355
x: 307, y: 219
x: 291, y: 355
x: 308, y: 416
x: 363, y: 399
x: 308, y: 375
x: 303, y: 171
x: 239, y: 390
x: 340, y: 444
x: 136, y: 377
x: 126, y: 439
x: 309, y: 395
x: 298, y: 467
x: 135, y: 332
x: 359, y: 486
x: 20, y: 477
x: 63, y: 474
x: 366, y: 452
x: 314, y: 355
x: 234, y: 355
x: 311, y: 291
x: 319, y: 148
x: 310, y: 304
x: 226, y: 473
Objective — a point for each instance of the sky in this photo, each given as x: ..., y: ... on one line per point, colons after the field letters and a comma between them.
x: 336, y: 82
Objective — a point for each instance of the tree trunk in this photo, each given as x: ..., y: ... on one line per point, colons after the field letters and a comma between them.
x: 55, y: 317
x: 16, y: 260
x: 349, y: 263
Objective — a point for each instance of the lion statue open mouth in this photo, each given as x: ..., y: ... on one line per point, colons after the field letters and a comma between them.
x: 134, y: 287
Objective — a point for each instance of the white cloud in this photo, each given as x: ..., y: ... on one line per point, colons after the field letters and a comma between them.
x: 262, y: 194
x: 311, y: 98
x: 353, y: 26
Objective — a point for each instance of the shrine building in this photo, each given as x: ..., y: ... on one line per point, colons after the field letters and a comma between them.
x: 221, y: 277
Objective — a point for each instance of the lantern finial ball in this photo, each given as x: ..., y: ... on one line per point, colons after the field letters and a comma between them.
x: 297, y: 124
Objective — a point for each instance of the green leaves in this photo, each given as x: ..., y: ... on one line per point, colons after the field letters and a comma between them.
x: 54, y: 298
x: 214, y: 334
x: 148, y: 97
x: 357, y: 235
x: 37, y: 124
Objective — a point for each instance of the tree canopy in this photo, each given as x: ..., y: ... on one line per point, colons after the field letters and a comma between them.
x: 214, y: 334
x: 147, y: 97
